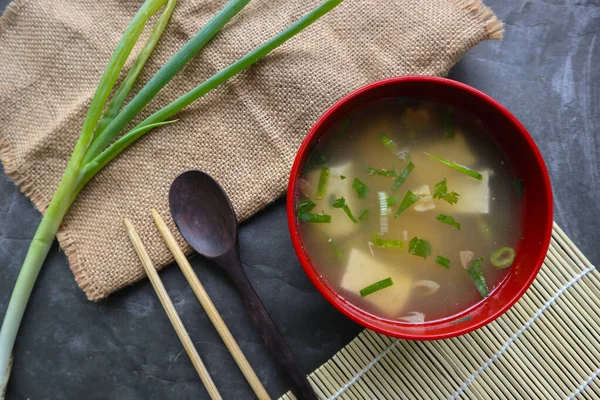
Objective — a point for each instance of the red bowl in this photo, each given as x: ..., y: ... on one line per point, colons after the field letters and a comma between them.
x: 511, y: 136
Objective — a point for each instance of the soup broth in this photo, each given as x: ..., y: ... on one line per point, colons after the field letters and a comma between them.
x: 409, y: 210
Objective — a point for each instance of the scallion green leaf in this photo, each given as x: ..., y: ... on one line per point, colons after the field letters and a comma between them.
x: 447, y: 219
x: 360, y: 188
x: 443, y: 261
x: 230, y: 71
x: 342, y: 177
x: 460, y: 168
x: 476, y: 274
x: 503, y: 257
x: 403, y: 176
x: 387, y: 243
x: 419, y: 247
x: 377, y: 286
x: 318, y: 218
x: 409, y: 199
x: 323, y: 180
x: 363, y: 215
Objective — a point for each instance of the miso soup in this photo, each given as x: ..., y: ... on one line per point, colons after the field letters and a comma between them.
x: 409, y: 210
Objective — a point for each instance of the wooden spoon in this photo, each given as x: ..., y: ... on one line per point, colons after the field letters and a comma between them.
x: 204, y: 215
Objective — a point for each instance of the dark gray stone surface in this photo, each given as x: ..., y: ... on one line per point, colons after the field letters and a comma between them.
x: 545, y: 71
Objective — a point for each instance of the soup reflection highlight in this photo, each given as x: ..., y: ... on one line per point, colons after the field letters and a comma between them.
x: 409, y: 210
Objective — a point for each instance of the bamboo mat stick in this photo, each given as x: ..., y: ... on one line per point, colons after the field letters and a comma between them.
x: 171, y: 312
x: 210, y: 308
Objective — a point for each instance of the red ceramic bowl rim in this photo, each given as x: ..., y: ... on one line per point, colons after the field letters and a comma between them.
x: 324, y: 289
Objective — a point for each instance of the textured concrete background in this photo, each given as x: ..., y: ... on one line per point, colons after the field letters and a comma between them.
x: 545, y: 71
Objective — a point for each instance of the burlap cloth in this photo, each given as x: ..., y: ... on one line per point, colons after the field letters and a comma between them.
x: 246, y: 133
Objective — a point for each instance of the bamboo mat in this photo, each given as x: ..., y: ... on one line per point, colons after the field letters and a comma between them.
x: 547, y: 346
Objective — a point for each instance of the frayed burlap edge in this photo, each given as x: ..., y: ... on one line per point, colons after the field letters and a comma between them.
x: 494, y: 29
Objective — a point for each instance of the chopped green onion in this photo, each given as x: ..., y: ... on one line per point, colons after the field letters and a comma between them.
x: 377, y: 286
x: 387, y: 243
x: 387, y: 142
x: 381, y: 172
x: 318, y: 218
x: 403, y: 176
x: 443, y: 261
x: 360, y: 188
x: 440, y: 191
x: 341, y: 203
x: 449, y: 124
x: 503, y: 258
x: 419, y: 247
x: 519, y: 187
x: 392, y: 201
x: 451, y: 197
x: 306, y: 206
x: 476, y: 274
x: 323, y: 180
x: 363, y: 215
x: 409, y: 199
x: 447, y: 219
x: 342, y: 177
x: 458, y: 167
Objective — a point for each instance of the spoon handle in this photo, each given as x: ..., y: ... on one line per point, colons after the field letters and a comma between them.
x: 269, y: 333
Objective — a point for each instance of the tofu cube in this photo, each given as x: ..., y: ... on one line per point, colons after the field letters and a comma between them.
x: 363, y: 270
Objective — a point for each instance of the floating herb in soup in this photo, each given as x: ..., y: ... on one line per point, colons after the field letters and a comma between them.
x: 427, y: 223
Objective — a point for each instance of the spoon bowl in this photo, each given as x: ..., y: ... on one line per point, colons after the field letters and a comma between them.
x: 203, y: 213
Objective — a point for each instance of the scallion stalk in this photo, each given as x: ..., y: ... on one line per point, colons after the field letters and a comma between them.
x: 91, y: 152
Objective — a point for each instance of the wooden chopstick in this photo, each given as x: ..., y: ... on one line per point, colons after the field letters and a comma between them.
x: 210, y: 308
x: 171, y: 312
